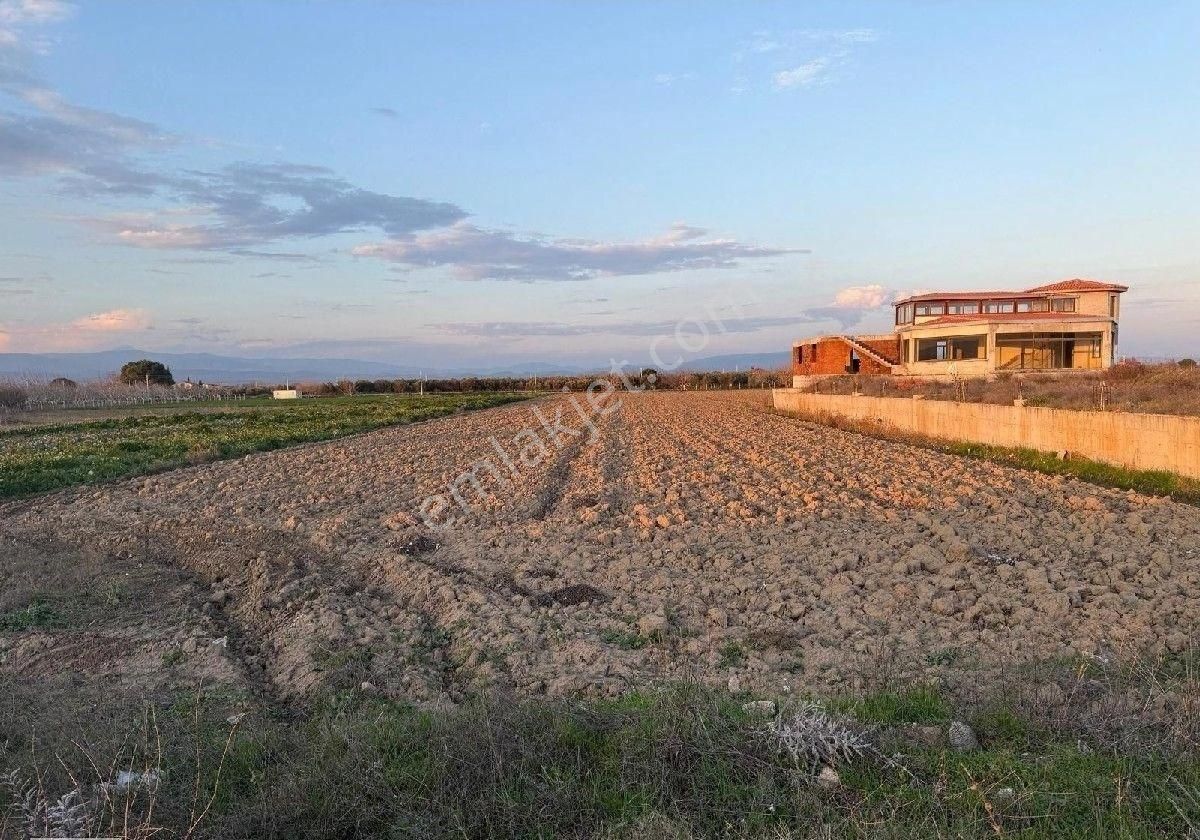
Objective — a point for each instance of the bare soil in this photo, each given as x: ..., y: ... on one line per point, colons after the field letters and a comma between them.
x: 698, y: 536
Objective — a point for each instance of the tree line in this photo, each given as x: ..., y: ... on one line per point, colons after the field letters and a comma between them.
x: 647, y: 378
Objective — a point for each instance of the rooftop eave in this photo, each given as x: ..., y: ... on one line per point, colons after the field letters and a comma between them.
x: 1008, y: 319
x: 1063, y: 287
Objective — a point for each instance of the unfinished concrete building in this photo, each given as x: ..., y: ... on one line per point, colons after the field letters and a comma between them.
x: 1071, y: 325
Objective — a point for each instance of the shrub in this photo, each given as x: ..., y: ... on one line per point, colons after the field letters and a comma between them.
x: 1126, y: 371
x: 12, y: 397
x: 146, y: 370
x: 1187, y: 363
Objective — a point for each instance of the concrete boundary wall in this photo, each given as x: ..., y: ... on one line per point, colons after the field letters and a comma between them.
x: 1139, y: 441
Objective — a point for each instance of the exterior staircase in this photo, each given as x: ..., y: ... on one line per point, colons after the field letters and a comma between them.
x: 874, y: 355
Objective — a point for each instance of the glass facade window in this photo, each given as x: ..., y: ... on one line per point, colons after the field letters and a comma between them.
x: 904, y: 313
x: 1041, y: 351
x: 1063, y: 304
x: 951, y: 348
x: 1041, y: 305
x: 963, y: 308
x: 934, y: 308
x: 999, y: 307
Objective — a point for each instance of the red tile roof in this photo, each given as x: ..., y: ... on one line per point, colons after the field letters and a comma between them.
x: 1075, y: 285
x: 1078, y: 285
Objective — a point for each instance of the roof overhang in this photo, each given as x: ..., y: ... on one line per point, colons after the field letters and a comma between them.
x: 1064, y: 287
x: 1009, y: 322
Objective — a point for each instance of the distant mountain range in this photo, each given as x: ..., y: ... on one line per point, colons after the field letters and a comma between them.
x: 233, y: 370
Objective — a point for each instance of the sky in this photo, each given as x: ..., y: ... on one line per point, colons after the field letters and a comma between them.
x: 476, y: 184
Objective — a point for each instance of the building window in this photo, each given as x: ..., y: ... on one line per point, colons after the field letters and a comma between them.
x: 1026, y: 351
x: 998, y: 307
x: 1063, y: 304
x: 1041, y: 305
x: 938, y: 308
x: 904, y: 313
x: 800, y: 355
x: 1112, y: 306
x: 950, y: 349
x: 971, y: 308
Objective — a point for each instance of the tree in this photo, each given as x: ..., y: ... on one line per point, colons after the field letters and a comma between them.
x: 62, y: 382
x: 145, y: 370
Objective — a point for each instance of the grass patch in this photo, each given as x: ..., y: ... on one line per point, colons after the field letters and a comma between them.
x: 732, y: 655
x: 916, y: 705
x: 37, y: 615
x: 1150, y: 482
x: 625, y: 641
x: 43, y: 458
x: 682, y: 761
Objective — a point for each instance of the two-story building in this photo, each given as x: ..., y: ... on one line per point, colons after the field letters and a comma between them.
x: 1071, y: 325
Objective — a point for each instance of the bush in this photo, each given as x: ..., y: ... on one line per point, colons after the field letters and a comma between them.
x: 1126, y: 371
x: 146, y: 370
x: 12, y: 397
x: 1187, y: 363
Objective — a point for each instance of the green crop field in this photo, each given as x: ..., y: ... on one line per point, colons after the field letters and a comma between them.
x: 48, y: 457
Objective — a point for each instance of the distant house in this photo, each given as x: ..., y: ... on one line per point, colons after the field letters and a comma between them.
x: 286, y: 394
x: 1070, y: 325
x: 189, y: 385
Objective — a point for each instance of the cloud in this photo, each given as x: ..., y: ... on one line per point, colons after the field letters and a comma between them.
x: 528, y: 329
x: 114, y: 320
x: 240, y: 208
x: 249, y: 204
x: 49, y: 135
x: 390, y: 113
x: 13, y: 286
x: 799, y: 58
x: 19, y: 12
x: 806, y: 74
x: 476, y: 253
x: 81, y: 333
x: 851, y: 304
x: 668, y: 79
x: 94, y: 153
x: 863, y: 297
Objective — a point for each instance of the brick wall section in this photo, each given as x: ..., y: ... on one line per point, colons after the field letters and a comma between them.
x: 831, y: 355
x: 824, y: 356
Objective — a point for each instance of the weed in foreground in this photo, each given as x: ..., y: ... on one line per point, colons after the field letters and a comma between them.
x: 680, y: 761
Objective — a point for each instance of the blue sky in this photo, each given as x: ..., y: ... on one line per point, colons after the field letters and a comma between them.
x: 480, y: 183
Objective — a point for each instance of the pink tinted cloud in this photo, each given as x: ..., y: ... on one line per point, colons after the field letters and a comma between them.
x: 114, y: 320
x: 86, y: 332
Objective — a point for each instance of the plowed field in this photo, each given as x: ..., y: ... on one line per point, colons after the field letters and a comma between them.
x: 691, y: 535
